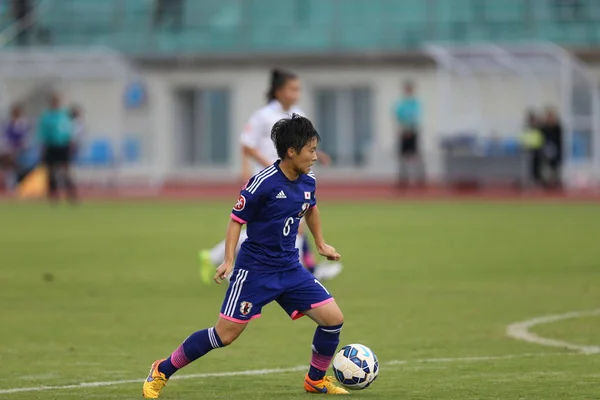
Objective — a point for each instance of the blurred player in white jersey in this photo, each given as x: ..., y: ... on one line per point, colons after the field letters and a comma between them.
x: 258, y: 153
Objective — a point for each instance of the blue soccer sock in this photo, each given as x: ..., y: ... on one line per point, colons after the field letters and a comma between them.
x: 194, y: 347
x: 325, y: 342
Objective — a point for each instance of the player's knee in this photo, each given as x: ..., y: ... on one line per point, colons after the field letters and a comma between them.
x: 228, y: 338
x: 335, y: 318
x: 338, y: 319
x: 228, y: 331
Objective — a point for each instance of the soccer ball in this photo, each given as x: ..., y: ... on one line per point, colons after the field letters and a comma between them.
x: 355, y: 366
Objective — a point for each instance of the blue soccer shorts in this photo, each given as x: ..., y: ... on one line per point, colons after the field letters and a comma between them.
x: 295, y: 290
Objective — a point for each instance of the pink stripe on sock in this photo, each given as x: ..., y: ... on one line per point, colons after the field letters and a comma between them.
x: 309, y: 260
x: 320, y: 361
x: 178, y: 358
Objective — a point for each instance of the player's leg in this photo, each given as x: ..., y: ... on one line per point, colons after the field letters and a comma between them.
x: 329, y: 319
x: 199, y: 343
x: 402, y: 158
x: 195, y: 346
x: 51, y: 161
x: 67, y: 176
x: 8, y: 163
x: 307, y: 296
x: 300, y: 241
x: 307, y: 258
x: 212, y: 258
x: 243, y: 302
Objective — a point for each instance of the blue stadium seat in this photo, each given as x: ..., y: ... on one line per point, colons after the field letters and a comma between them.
x: 511, y: 145
x: 97, y: 152
x: 132, y: 150
x: 580, y: 147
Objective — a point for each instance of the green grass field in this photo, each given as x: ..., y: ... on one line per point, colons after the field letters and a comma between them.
x: 97, y: 292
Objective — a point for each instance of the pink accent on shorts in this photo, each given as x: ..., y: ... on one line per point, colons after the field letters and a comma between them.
x: 237, y: 219
x: 239, y: 321
x: 320, y: 361
x: 178, y: 358
x: 322, y: 303
x: 313, y: 206
x: 297, y: 314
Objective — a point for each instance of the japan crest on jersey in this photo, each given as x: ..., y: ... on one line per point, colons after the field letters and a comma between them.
x: 245, y: 307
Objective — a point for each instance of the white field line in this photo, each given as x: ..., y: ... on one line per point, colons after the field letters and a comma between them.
x: 263, y: 372
x: 470, y: 359
x: 520, y: 331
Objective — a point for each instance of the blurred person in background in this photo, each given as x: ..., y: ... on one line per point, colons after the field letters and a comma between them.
x: 78, y: 129
x: 553, y: 146
x: 533, y: 141
x: 168, y: 9
x: 258, y: 152
x: 56, y: 135
x: 22, y: 14
x: 408, y: 115
x: 16, y: 133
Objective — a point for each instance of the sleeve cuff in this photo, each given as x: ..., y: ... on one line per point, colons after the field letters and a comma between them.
x: 237, y: 219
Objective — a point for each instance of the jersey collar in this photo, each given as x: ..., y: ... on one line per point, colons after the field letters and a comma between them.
x: 276, y: 164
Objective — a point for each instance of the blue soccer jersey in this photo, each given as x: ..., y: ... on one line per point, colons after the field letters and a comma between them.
x: 267, y: 267
x: 272, y: 207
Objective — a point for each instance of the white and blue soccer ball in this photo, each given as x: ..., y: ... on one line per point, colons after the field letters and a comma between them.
x: 355, y: 366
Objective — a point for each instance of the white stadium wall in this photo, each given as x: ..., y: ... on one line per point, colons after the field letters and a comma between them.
x: 502, y: 100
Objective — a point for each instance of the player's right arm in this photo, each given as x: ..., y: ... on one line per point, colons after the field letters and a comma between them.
x: 244, y: 211
x: 255, y: 154
x: 251, y: 138
x: 231, y: 240
x: 246, y: 166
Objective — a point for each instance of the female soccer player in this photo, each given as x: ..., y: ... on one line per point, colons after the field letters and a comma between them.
x: 267, y: 268
x: 258, y: 149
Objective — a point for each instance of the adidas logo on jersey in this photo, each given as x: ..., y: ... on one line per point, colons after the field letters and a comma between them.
x: 281, y: 195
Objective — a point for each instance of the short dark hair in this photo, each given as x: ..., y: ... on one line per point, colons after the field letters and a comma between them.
x: 294, y: 132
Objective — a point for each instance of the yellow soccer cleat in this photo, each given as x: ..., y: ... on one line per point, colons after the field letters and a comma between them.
x: 207, y: 269
x: 155, y: 382
x: 324, y: 386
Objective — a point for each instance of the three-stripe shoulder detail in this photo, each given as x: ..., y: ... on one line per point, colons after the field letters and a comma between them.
x: 260, y: 178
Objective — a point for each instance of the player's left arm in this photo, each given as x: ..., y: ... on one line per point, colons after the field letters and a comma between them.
x: 313, y: 220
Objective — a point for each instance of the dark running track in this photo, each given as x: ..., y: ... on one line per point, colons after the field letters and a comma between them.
x: 354, y: 192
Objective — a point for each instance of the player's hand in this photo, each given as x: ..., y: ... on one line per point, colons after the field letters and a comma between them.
x: 329, y: 252
x: 223, y: 271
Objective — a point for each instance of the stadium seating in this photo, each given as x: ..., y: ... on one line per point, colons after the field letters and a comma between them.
x: 104, y: 152
x: 217, y: 26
